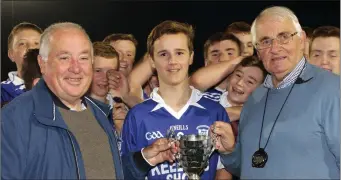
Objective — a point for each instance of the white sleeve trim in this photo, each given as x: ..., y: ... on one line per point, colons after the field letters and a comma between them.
x: 146, y: 159
x: 220, y: 165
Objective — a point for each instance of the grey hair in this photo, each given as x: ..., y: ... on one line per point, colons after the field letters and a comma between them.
x: 45, y: 39
x: 278, y: 11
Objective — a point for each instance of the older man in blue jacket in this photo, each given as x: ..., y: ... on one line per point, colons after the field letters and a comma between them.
x: 55, y: 132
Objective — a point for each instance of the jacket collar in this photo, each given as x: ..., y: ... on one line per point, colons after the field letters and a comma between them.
x: 46, y: 105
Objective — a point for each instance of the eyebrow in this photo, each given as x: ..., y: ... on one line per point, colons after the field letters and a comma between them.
x: 239, y: 71
x: 316, y: 50
x: 332, y: 51
x: 264, y: 37
x: 63, y: 52
x: 214, y: 51
x: 85, y: 52
x: 252, y: 78
x: 267, y: 37
x: 230, y: 49
x: 179, y: 49
x: 162, y: 51
x: 285, y: 32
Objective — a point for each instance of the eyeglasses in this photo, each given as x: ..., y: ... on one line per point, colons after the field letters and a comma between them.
x: 284, y: 38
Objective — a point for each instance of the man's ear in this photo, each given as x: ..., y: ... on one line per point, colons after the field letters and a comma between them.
x: 35, y: 81
x: 10, y: 55
x: 258, y: 55
x: 191, y: 58
x: 151, y: 61
x: 303, y: 39
x: 42, y: 64
x: 206, y: 62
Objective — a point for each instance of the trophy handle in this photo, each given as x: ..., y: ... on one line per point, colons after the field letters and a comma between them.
x: 212, y: 150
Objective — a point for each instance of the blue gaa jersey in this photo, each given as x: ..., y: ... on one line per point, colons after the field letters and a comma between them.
x: 214, y: 94
x: 12, y: 87
x: 151, y: 119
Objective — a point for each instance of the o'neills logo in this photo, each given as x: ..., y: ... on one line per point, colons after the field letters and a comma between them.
x: 203, y: 130
x: 179, y: 127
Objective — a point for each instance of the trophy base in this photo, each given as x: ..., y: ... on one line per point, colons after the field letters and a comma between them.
x: 193, y: 177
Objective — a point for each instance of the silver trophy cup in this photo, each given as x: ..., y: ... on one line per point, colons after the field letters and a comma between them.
x: 195, y: 152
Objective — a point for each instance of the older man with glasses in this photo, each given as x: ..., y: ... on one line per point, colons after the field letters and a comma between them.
x: 290, y: 126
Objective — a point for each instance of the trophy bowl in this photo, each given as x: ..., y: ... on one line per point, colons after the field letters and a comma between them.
x: 195, y: 152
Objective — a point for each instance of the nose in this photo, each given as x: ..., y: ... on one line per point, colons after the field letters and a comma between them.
x: 74, y: 66
x: 223, y: 57
x: 240, y: 82
x: 275, y: 46
x: 172, y: 59
x: 324, y: 60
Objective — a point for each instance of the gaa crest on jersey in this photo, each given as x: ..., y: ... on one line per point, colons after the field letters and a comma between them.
x: 203, y: 130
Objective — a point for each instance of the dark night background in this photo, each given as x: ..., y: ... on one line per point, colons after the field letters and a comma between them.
x: 101, y: 18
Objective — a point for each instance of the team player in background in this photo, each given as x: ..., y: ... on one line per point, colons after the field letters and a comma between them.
x: 242, y: 31
x: 218, y: 48
x: 325, y: 48
x: 175, y: 104
x: 23, y: 36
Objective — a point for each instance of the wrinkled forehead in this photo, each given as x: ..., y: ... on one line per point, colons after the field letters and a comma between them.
x: 125, y: 45
x: 272, y: 26
x: 214, y: 46
x: 250, y: 72
x: 326, y: 43
x: 70, y: 40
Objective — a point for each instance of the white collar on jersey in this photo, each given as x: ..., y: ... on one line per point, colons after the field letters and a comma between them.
x: 224, y: 101
x: 13, y: 77
x: 192, y: 101
x: 219, y: 89
x: 112, y: 102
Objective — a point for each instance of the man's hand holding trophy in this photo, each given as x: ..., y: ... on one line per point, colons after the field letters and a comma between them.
x: 195, y: 150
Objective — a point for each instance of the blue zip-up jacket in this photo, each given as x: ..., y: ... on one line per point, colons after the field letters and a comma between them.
x: 36, y: 143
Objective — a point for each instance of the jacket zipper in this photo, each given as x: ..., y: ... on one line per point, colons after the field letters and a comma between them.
x: 75, y: 154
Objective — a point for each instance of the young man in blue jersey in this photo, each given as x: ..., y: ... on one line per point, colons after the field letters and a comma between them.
x: 23, y: 36
x: 174, y: 104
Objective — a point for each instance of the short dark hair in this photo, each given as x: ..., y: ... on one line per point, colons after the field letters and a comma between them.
x: 253, y: 61
x: 308, y: 31
x: 20, y: 27
x: 30, y: 69
x: 214, y: 38
x: 326, y: 31
x: 220, y: 36
x: 120, y: 36
x: 104, y: 50
x: 170, y: 27
x: 238, y: 27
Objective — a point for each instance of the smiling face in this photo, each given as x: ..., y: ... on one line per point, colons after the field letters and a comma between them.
x: 100, y: 84
x: 127, y: 51
x: 68, y: 69
x: 243, y: 81
x: 171, y: 58
x: 279, y: 59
